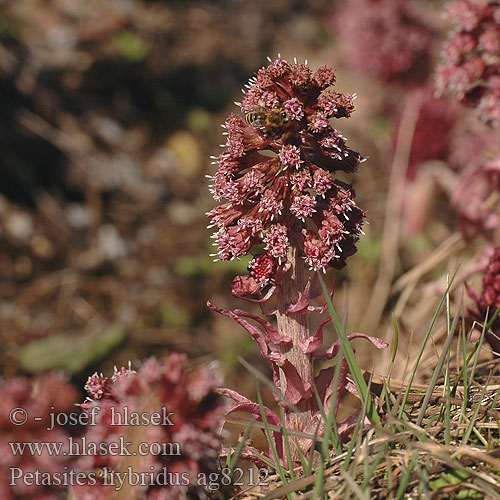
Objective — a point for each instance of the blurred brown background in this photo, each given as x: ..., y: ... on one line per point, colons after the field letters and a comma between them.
x: 109, y: 112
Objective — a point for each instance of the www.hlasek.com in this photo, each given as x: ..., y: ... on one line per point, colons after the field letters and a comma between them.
x: 82, y: 447
x: 117, y: 479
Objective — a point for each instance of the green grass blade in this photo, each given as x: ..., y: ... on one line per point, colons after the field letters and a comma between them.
x: 357, y: 376
x: 270, y: 440
x: 462, y: 376
x: 311, y: 454
x: 473, y: 419
x: 396, y: 339
x: 354, y: 437
x: 476, y: 358
x: 319, y: 483
x: 330, y: 437
x: 370, y: 471
x: 331, y: 434
x: 437, y: 370
x: 286, y: 440
x: 403, y: 482
x: 303, y: 459
x: 424, y: 344
x: 239, y: 448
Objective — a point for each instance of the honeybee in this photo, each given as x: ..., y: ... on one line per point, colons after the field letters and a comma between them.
x: 265, y: 119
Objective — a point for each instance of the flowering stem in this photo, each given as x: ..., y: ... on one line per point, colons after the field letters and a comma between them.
x: 284, y: 201
x: 295, y: 326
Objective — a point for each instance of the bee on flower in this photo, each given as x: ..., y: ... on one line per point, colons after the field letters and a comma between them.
x: 276, y: 176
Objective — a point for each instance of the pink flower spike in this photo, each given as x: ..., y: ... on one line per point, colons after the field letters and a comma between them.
x: 286, y: 208
x: 282, y: 158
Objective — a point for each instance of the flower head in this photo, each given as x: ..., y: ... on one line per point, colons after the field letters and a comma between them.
x: 489, y: 301
x: 433, y: 131
x: 477, y: 208
x: 471, y: 59
x: 190, y: 429
x: 49, y: 394
x: 385, y: 38
x: 278, y: 178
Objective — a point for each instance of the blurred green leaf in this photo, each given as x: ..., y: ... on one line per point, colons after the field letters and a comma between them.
x: 469, y: 493
x: 173, y: 316
x: 447, y: 479
x: 199, y: 120
x: 418, y: 243
x: 369, y: 248
x: 130, y: 46
x: 9, y: 28
x: 63, y: 352
x: 232, y: 349
x: 192, y: 266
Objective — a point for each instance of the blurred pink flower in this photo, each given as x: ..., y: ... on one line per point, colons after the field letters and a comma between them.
x: 489, y: 302
x: 386, y: 38
x: 191, y: 432
x: 50, y: 394
x: 433, y: 130
x: 470, y: 67
x: 477, y: 211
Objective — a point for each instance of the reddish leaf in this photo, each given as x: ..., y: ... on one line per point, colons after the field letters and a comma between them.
x: 324, y: 382
x: 245, y: 454
x: 311, y: 291
x: 331, y: 352
x: 303, y: 303
x: 244, y: 285
x: 256, y: 333
x: 245, y: 405
x: 314, y: 342
x: 272, y: 334
x: 296, y: 387
x: 254, y: 409
x: 235, y: 396
x: 346, y: 427
x: 263, y: 299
